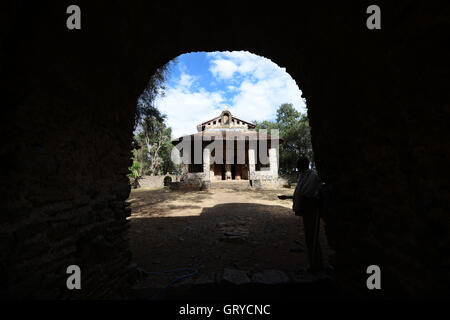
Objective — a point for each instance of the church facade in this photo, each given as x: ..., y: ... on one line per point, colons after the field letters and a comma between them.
x: 227, y: 148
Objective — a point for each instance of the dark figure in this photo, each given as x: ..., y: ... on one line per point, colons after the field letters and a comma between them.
x: 306, y: 204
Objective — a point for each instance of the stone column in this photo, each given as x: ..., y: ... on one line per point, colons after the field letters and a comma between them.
x: 273, y: 160
x: 206, y: 164
x: 251, y: 163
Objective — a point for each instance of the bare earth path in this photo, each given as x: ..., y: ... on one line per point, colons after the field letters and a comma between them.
x: 211, y: 230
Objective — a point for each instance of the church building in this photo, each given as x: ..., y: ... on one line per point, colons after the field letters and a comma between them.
x: 227, y: 148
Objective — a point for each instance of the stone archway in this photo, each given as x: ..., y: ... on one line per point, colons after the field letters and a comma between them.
x: 167, y: 181
x: 71, y: 97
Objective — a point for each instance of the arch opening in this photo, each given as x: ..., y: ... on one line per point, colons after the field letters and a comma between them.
x: 235, y: 98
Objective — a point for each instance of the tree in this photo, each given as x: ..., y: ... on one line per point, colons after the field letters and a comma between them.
x: 141, y: 154
x: 159, y: 138
x: 165, y: 152
x: 294, y: 130
x: 287, y: 115
x: 154, y: 150
x: 156, y: 85
x: 152, y: 142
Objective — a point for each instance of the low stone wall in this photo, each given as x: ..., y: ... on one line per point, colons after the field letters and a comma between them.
x: 157, y: 181
x: 267, y: 179
x: 181, y: 186
x: 273, y: 182
x: 259, y: 179
x: 191, y: 181
x: 193, y: 178
x: 288, y: 179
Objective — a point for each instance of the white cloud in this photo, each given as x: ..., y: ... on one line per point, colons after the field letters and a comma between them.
x: 257, y: 85
x: 185, y: 108
x: 225, y: 64
x: 186, y: 80
x: 263, y: 88
x: 223, y: 69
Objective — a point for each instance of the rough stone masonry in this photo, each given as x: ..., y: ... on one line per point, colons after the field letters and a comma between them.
x: 377, y: 104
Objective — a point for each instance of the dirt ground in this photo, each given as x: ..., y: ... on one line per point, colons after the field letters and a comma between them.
x: 211, y: 230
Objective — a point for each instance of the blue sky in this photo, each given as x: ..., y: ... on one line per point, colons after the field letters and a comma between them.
x: 201, y: 85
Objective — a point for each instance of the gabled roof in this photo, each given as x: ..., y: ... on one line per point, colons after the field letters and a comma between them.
x: 250, y: 125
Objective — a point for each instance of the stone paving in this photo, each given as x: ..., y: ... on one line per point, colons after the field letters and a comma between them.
x: 221, y: 233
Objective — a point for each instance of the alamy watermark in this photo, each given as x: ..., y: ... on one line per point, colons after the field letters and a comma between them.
x: 74, y: 280
x: 374, y: 280
x: 74, y: 20
x: 374, y: 20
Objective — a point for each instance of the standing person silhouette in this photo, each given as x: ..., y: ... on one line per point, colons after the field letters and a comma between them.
x: 306, y: 204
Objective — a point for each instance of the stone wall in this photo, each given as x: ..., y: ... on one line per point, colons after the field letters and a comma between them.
x: 377, y: 103
x: 288, y: 179
x: 265, y: 177
x: 156, y: 181
x: 194, y: 178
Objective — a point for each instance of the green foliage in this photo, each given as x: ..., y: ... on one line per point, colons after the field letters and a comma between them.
x: 294, y: 130
x: 165, y: 153
x: 134, y: 169
x: 152, y: 141
x: 157, y: 85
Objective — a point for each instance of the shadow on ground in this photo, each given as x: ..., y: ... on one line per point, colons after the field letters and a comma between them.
x: 242, y: 236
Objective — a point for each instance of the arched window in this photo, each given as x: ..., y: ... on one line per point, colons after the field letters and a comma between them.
x: 226, y: 118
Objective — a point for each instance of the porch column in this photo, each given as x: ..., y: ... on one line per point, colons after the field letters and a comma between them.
x: 206, y: 164
x: 273, y: 160
x: 251, y: 163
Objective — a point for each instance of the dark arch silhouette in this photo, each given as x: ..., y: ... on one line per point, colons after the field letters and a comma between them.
x: 71, y: 97
x: 167, y: 181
